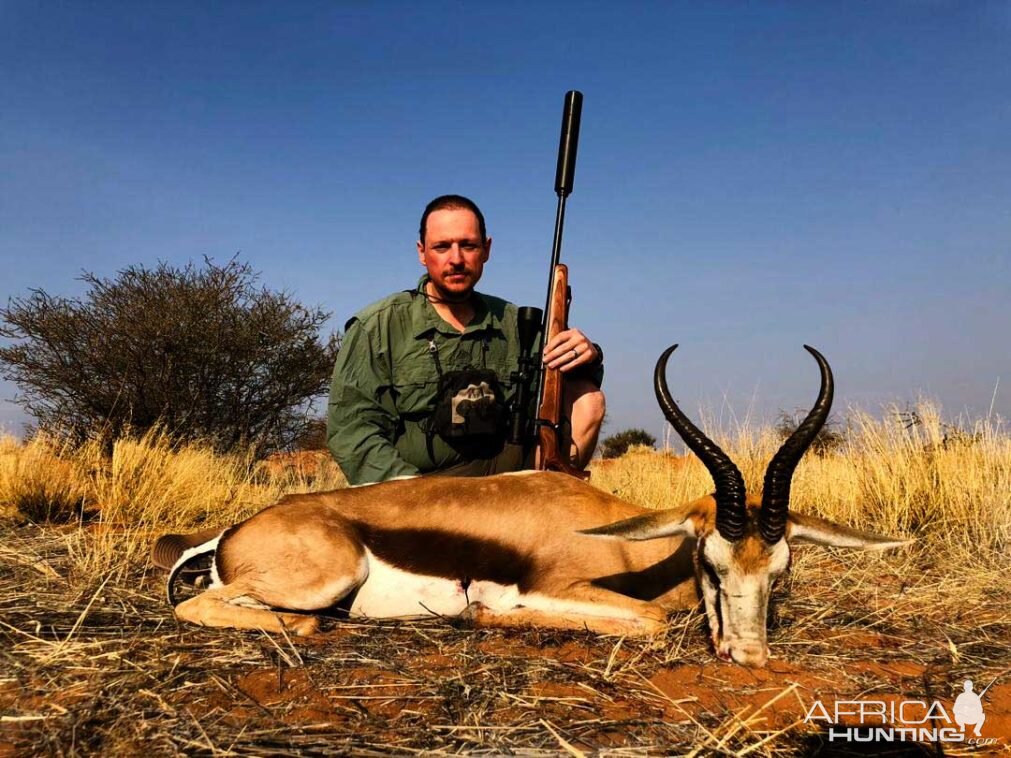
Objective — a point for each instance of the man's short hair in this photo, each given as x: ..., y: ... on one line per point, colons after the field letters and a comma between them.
x: 452, y: 203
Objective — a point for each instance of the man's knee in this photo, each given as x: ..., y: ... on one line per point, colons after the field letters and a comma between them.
x: 586, y: 400
x: 594, y: 406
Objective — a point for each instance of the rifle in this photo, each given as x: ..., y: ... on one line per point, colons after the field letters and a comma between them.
x: 555, y: 316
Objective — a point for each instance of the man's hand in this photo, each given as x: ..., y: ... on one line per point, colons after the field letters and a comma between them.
x: 569, y: 350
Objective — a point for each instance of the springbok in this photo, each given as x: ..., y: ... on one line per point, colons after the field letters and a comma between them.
x: 525, y: 549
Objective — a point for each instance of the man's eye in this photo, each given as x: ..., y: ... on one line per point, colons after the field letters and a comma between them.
x: 442, y: 248
x: 469, y: 246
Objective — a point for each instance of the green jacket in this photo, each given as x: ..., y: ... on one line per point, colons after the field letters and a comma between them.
x: 385, y: 381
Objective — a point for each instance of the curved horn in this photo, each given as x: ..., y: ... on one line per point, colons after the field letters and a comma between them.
x: 776, y: 493
x: 730, y: 513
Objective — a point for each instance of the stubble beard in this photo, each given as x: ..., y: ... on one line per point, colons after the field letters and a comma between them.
x: 440, y: 294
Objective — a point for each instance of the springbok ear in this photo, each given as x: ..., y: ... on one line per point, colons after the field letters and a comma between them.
x: 822, y: 532
x: 649, y: 527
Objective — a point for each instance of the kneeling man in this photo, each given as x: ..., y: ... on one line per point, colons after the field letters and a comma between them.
x: 406, y: 358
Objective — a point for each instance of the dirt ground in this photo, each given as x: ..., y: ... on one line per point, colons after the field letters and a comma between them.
x: 106, y: 670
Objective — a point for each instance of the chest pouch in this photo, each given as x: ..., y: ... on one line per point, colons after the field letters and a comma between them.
x: 470, y: 403
x: 470, y: 411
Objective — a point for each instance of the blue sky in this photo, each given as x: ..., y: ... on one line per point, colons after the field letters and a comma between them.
x: 751, y: 176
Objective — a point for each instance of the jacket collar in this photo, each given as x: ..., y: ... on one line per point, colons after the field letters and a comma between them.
x: 425, y: 320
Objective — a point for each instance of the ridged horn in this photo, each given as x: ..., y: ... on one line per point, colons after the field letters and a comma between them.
x: 776, y: 492
x: 730, y: 512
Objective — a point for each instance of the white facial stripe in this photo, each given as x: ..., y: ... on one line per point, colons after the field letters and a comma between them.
x: 744, y: 600
x: 719, y: 551
x: 737, y: 604
x: 779, y: 558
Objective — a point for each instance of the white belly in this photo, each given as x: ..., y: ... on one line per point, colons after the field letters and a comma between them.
x: 390, y: 592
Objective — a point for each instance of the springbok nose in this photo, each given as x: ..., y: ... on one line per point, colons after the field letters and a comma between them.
x: 750, y: 653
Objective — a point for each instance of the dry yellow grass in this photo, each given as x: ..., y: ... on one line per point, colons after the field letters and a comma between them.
x: 42, y: 480
x: 950, y: 490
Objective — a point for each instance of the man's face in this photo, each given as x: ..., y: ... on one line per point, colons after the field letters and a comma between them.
x: 453, y: 253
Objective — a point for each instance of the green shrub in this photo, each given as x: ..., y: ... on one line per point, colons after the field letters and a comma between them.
x: 617, y: 444
x: 199, y: 352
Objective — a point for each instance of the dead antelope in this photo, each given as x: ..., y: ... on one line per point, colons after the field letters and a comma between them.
x: 526, y: 549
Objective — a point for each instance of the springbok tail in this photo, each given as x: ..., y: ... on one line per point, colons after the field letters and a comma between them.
x: 185, y: 558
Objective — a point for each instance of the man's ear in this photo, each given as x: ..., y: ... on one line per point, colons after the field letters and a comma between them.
x: 820, y: 531
x: 650, y: 527
x: 421, y: 253
x: 487, y: 250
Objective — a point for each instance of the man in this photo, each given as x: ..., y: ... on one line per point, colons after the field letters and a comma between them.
x: 392, y: 395
x: 968, y: 708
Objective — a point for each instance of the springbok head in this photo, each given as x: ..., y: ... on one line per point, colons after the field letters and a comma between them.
x: 742, y: 541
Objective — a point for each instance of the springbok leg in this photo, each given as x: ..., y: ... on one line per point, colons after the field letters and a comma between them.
x: 579, y: 607
x: 219, y: 607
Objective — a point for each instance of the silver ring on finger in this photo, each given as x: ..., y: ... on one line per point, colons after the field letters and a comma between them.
x: 575, y: 353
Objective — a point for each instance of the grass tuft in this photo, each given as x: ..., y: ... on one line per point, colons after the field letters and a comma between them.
x: 43, y: 480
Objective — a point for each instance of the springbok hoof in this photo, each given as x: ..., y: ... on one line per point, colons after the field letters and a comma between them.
x: 301, y: 626
x: 652, y: 626
x: 474, y: 612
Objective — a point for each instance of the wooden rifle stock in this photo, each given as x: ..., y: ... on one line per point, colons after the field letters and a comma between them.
x: 549, y: 410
